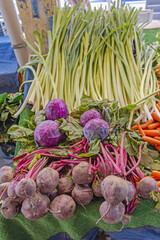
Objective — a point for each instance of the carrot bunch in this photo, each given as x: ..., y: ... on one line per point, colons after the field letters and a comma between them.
x: 150, y: 130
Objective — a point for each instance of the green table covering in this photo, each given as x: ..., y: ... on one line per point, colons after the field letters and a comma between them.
x: 20, y: 228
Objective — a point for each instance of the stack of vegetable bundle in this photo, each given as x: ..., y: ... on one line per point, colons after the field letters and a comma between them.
x: 90, y: 165
x: 99, y: 54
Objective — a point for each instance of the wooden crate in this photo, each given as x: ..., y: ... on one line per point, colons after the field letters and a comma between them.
x: 36, y: 15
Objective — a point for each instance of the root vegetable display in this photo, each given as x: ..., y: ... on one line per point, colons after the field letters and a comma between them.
x: 9, y: 208
x: 11, y: 189
x: 63, y: 207
x: 81, y: 175
x: 47, y: 180
x: 26, y: 187
x: 112, y: 214
x: 82, y: 195
x: 146, y: 185
x: 114, y: 189
x: 6, y: 174
x: 131, y: 191
x: 96, y: 187
x: 35, y: 207
x: 65, y: 186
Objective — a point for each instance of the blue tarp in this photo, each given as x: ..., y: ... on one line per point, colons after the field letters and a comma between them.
x: 8, y: 67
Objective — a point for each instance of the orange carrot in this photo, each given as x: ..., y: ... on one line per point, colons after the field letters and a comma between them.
x: 153, y: 126
x: 140, y: 129
x: 144, y: 125
x: 158, y: 138
x: 136, y: 179
x: 134, y: 127
x: 159, y: 101
x: 157, y: 147
x: 156, y: 174
x: 151, y: 140
x: 151, y: 133
x: 158, y: 129
x: 155, y: 116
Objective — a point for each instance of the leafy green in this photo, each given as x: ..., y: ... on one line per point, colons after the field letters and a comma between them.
x: 94, y: 149
x: 58, y: 153
x: 24, y: 135
x: 9, y: 105
x: 72, y: 128
x: 39, y: 117
x: 156, y: 198
x: 149, y: 159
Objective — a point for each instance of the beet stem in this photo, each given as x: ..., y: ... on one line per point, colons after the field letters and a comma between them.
x: 19, y: 157
x: 139, y: 158
x: 103, y: 163
x: 121, y: 154
x: 89, y: 169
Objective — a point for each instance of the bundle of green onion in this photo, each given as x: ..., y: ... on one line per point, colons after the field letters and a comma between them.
x: 95, y: 53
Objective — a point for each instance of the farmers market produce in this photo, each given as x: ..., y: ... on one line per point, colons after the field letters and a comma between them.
x: 56, y: 109
x: 82, y: 194
x: 2, y: 188
x: 9, y: 208
x: 62, y: 207
x: 114, y: 189
x: 96, y: 79
x: 35, y: 207
x: 81, y: 173
x: 47, y: 133
x: 6, y: 174
x: 88, y: 115
x: 47, y: 180
x: 100, y: 54
x: 112, y: 214
x: 65, y: 185
x: 26, y: 187
x: 9, y: 105
x: 146, y: 185
x: 96, y: 129
x: 86, y: 170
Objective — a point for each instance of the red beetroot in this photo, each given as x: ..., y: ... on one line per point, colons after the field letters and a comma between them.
x: 35, y: 207
x: 114, y: 189
x: 26, y: 187
x: 6, y: 174
x: 9, y: 208
x: 146, y: 185
x: 47, y: 180
x: 80, y: 173
x: 63, y: 207
x: 112, y: 213
x: 65, y: 185
x: 96, y: 187
x: 82, y: 195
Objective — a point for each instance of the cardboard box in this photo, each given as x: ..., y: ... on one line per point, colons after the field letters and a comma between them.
x: 36, y: 15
